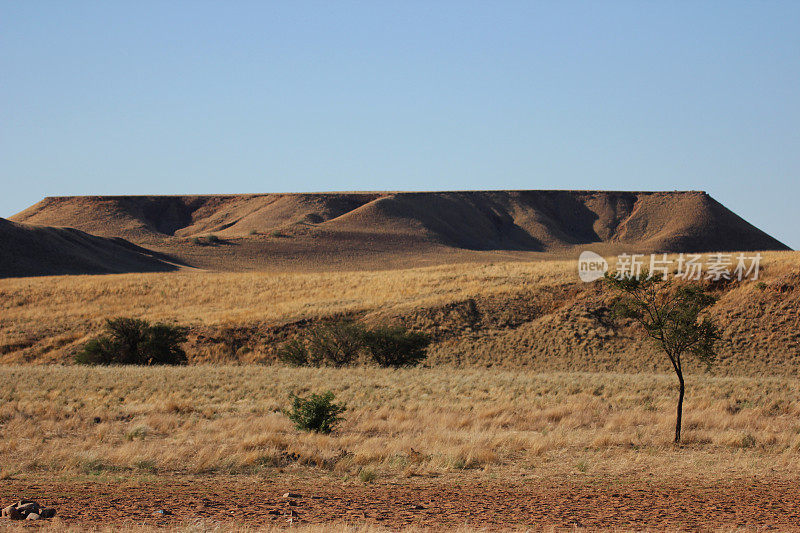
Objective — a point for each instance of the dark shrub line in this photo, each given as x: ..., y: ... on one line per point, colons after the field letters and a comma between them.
x: 131, y: 341
x: 346, y: 342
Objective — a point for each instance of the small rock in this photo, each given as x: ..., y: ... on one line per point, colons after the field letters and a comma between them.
x: 28, y: 507
x: 275, y: 511
x: 12, y: 513
x: 292, y: 495
x: 162, y: 512
x: 417, y: 507
x: 32, y: 516
x: 6, y: 511
x: 47, y: 512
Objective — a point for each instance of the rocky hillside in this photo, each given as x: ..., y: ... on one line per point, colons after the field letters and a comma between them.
x: 538, y: 221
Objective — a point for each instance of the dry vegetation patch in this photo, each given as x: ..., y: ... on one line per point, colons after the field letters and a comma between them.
x: 203, y: 419
x: 512, y: 314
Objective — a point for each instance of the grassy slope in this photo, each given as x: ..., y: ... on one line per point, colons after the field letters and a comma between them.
x: 533, y: 314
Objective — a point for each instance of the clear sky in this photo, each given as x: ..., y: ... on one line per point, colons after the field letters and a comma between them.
x: 169, y: 97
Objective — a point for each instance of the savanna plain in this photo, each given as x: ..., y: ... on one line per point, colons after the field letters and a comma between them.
x: 531, y: 410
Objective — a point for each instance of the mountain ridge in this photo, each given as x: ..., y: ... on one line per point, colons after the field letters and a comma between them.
x: 532, y: 220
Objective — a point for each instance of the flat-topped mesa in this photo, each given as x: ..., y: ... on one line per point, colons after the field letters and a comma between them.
x: 535, y: 220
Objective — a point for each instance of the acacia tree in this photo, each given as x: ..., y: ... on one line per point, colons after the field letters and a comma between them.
x: 671, y: 317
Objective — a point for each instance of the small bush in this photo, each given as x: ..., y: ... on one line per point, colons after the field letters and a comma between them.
x: 343, y: 342
x: 316, y: 413
x: 335, y: 343
x: 367, y: 475
x: 98, y: 351
x: 294, y: 353
x: 395, y: 346
x: 747, y: 441
x: 213, y: 239
x: 130, y: 341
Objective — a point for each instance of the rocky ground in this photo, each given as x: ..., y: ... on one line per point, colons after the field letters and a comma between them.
x: 738, y: 504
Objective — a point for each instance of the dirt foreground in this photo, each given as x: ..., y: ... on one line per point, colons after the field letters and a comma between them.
x: 592, y: 504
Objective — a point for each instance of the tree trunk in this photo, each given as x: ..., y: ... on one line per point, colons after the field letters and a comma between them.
x: 680, y: 410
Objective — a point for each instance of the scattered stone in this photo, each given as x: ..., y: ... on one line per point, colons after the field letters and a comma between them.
x: 162, y: 512
x: 12, y: 513
x: 275, y: 511
x: 292, y: 495
x: 417, y: 507
x: 27, y: 510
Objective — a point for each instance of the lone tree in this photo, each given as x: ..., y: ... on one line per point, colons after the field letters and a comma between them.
x: 670, y: 315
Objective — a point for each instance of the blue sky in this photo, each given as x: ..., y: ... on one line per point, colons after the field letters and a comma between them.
x: 223, y: 97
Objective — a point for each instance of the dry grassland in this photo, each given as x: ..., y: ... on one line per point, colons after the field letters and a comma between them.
x: 48, y: 313
x: 454, y: 420
x: 493, y: 424
x: 527, y: 313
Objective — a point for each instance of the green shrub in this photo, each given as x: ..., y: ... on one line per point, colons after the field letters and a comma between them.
x: 336, y: 343
x: 395, y: 346
x: 131, y: 341
x: 294, y: 353
x: 213, y: 239
x: 342, y: 342
x: 162, y: 345
x: 316, y: 413
x: 96, y: 352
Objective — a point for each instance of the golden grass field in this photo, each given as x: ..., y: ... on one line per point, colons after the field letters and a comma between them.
x: 207, y: 419
x: 522, y: 385
x: 533, y: 314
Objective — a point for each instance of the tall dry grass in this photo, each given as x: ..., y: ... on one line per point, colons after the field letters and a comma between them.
x: 486, y: 423
x: 46, y: 319
x: 48, y: 313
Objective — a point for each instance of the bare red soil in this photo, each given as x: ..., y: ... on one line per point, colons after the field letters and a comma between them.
x: 595, y: 504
